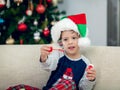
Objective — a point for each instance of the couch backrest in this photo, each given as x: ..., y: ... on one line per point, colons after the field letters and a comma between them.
x: 19, y: 64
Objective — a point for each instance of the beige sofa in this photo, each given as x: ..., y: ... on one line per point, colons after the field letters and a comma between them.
x: 19, y: 64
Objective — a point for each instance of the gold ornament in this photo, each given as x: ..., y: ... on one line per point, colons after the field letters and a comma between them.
x: 10, y: 40
x: 30, y: 5
x: 55, y: 2
x: 37, y: 36
x: 18, y: 2
x: 53, y: 22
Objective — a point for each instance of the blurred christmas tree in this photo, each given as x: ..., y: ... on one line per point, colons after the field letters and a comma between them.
x: 27, y: 21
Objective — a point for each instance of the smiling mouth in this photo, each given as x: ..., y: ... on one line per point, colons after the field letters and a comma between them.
x: 71, y: 47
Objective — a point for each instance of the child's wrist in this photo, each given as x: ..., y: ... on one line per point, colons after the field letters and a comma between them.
x: 93, y: 80
x: 43, y: 59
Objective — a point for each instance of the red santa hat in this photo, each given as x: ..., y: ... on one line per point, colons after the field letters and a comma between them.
x: 73, y: 22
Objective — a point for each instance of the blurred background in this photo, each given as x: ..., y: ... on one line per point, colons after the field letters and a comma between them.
x: 30, y: 21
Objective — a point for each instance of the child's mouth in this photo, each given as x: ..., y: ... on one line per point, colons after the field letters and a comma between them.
x: 71, y: 47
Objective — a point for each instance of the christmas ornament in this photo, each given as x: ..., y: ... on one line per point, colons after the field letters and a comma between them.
x: 8, y: 4
x: 46, y: 32
x: 53, y: 22
x: 30, y: 5
x: 22, y: 27
x: 2, y: 3
x: 1, y: 21
x: 90, y: 66
x: 55, y: 2
x: 49, y: 1
x: 29, y: 11
x: 36, y: 36
x: 10, y: 40
x: 18, y: 2
x: 40, y: 9
x: 35, y: 22
x: 51, y: 49
x: 21, y: 41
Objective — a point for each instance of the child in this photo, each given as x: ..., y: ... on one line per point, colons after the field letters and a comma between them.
x: 73, y: 35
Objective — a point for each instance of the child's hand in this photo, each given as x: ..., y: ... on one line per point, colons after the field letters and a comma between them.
x: 45, y: 51
x: 91, y: 73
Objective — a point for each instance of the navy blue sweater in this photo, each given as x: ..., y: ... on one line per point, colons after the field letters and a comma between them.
x: 78, y: 69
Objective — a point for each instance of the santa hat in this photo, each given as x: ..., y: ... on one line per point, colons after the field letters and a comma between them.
x: 73, y: 22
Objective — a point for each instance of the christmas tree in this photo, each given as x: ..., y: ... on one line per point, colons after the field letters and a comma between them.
x: 28, y: 21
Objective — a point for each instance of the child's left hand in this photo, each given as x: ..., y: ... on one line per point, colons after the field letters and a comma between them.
x: 91, y: 74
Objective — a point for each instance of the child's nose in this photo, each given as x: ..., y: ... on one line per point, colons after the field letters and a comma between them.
x: 70, y: 41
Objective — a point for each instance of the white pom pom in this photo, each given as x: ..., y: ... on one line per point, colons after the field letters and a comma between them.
x: 84, y: 42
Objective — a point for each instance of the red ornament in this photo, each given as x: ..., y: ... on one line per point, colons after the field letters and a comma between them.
x: 90, y: 66
x: 21, y: 41
x: 46, y: 32
x: 50, y: 49
x: 49, y: 1
x: 22, y: 27
x: 40, y: 9
x: 2, y: 3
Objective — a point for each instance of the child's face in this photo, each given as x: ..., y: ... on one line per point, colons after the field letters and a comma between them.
x: 69, y: 40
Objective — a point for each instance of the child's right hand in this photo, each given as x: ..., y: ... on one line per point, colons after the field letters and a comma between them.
x: 45, y: 51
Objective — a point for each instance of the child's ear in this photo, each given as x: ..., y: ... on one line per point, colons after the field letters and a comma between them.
x: 60, y: 43
x: 79, y: 35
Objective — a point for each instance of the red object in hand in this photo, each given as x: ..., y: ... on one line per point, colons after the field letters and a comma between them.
x: 90, y: 66
x: 50, y: 49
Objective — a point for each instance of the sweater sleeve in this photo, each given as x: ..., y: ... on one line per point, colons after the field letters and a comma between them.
x: 52, y: 60
x: 84, y: 83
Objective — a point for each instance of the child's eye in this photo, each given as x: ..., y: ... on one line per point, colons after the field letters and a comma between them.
x: 74, y: 38
x: 65, y: 39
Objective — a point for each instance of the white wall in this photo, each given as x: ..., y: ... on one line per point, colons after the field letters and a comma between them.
x: 96, y: 11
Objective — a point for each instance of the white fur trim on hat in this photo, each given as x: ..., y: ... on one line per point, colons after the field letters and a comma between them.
x: 84, y: 42
x: 62, y: 25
